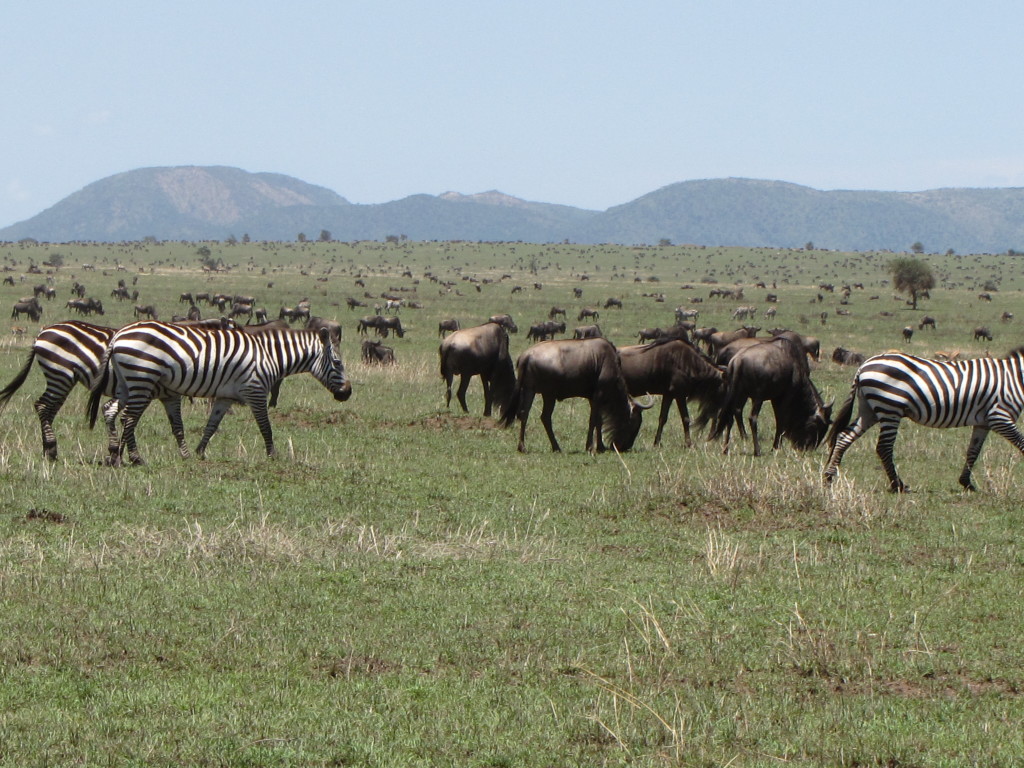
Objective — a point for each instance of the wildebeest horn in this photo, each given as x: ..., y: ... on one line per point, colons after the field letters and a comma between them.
x: 647, y: 403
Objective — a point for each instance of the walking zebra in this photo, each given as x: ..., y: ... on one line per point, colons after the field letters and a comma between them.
x: 152, y: 360
x: 68, y: 353
x: 985, y: 393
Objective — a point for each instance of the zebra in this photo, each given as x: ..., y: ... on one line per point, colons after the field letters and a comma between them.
x: 153, y: 360
x: 68, y: 353
x: 983, y: 393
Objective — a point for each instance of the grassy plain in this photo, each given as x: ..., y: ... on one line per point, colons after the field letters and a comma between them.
x: 401, y: 588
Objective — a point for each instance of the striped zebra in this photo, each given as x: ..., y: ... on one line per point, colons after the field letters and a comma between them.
x: 153, y: 360
x: 68, y: 353
x: 985, y: 393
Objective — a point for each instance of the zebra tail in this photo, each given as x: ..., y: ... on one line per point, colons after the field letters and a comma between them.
x: 98, y: 388
x: 14, y: 386
x: 842, y: 418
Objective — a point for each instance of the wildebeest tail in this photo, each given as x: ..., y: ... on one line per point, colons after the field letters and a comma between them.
x: 14, y: 386
x: 842, y: 418
x: 722, y: 415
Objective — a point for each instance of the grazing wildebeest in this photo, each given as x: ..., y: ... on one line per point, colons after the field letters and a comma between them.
x: 588, y: 312
x: 810, y: 345
x: 926, y: 322
x: 77, y: 290
x: 985, y: 296
x: 564, y: 368
x: 720, y: 339
x: 777, y: 371
x: 31, y: 308
x: 846, y: 357
x: 981, y: 332
x: 588, y: 332
x: 85, y: 306
x: 1006, y: 317
x: 555, y: 311
x: 148, y: 310
x: 375, y: 353
x: 448, y: 326
x: 294, y: 313
x: 703, y: 335
x: 650, y: 334
x: 315, y: 323
x: 546, y: 330
x: 674, y: 369
x: 505, y: 321
x: 613, y: 302
x: 381, y: 325
x: 478, y: 351
x: 353, y: 303
x: 908, y: 332
x: 186, y: 298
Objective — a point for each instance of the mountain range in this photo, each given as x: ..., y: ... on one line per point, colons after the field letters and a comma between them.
x: 217, y: 202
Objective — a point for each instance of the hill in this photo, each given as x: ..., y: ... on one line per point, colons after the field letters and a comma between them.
x: 213, y: 203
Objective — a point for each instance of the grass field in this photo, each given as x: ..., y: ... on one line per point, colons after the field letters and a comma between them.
x: 402, y: 588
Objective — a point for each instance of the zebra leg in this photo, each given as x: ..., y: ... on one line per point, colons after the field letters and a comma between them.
x: 46, y: 409
x: 884, y: 449
x: 129, y: 420
x: 220, y: 407
x: 978, y: 435
x: 172, y: 406
x: 844, y: 440
x: 258, y: 406
x: 111, y: 410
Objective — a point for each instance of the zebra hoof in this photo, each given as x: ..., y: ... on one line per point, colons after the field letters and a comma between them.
x: 899, y: 487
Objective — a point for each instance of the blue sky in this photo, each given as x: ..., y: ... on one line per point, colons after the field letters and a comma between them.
x: 585, y: 104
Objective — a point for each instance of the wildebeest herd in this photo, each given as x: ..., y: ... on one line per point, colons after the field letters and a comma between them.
x: 721, y: 370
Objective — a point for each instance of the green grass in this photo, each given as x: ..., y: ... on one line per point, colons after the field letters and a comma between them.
x: 401, y: 587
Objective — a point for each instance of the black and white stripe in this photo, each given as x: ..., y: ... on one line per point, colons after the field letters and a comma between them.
x: 68, y: 354
x: 152, y: 360
x: 986, y: 394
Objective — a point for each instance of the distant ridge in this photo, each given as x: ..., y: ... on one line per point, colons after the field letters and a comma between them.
x: 216, y: 202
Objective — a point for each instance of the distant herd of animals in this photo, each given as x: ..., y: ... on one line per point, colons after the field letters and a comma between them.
x: 228, y: 362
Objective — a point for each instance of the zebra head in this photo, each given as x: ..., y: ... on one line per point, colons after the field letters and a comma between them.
x: 329, y: 370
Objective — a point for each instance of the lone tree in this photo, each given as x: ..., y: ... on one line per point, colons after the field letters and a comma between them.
x: 911, y: 276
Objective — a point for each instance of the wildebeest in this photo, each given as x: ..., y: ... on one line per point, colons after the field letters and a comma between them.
x: 555, y: 312
x: 505, y: 321
x: 777, y: 371
x: 448, y: 326
x: 926, y: 322
x: 720, y: 339
x: 148, y: 310
x: 1006, y: 317
x: 382, y: 325
x: 353, y: 303
x: 479, y: 351
x: 31, y: 308
x: 546, y: 330
x: 587, y: 332
x: 908, y: 332
x: 846, y: 357
x: 613, y: 302
x: 315, y: 323
x: 981, y: 332
x: 810, y: 345
x: 375, y: 353
x: 85, y: 306
x: 294, y: 313
x: 650, y: 334
x: 588, y: 312
x: 565, y: 368
x: 674, y: 369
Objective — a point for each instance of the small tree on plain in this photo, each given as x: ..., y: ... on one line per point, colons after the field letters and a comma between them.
x: 911, y: 276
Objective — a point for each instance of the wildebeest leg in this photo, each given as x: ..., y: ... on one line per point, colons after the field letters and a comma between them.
x: 448, y: 377
x: 684, y: 414
x: 595, y: 440
x: 485, y: 382
x: 220, y: 407
x: 545, y: 419
x: 978, y: 435
x: 755, y: 411
x: 666, y: 405
x: 884, y: 449
x: 172, y: 407
x: 525, y: 403
x: 461, y: 394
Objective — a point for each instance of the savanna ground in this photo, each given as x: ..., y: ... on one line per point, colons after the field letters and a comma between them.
x: 401, y: 587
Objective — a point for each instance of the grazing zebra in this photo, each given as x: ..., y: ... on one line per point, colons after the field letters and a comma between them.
x: 984, y: 393
x: 68, y: 353
x: 152, y: 360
